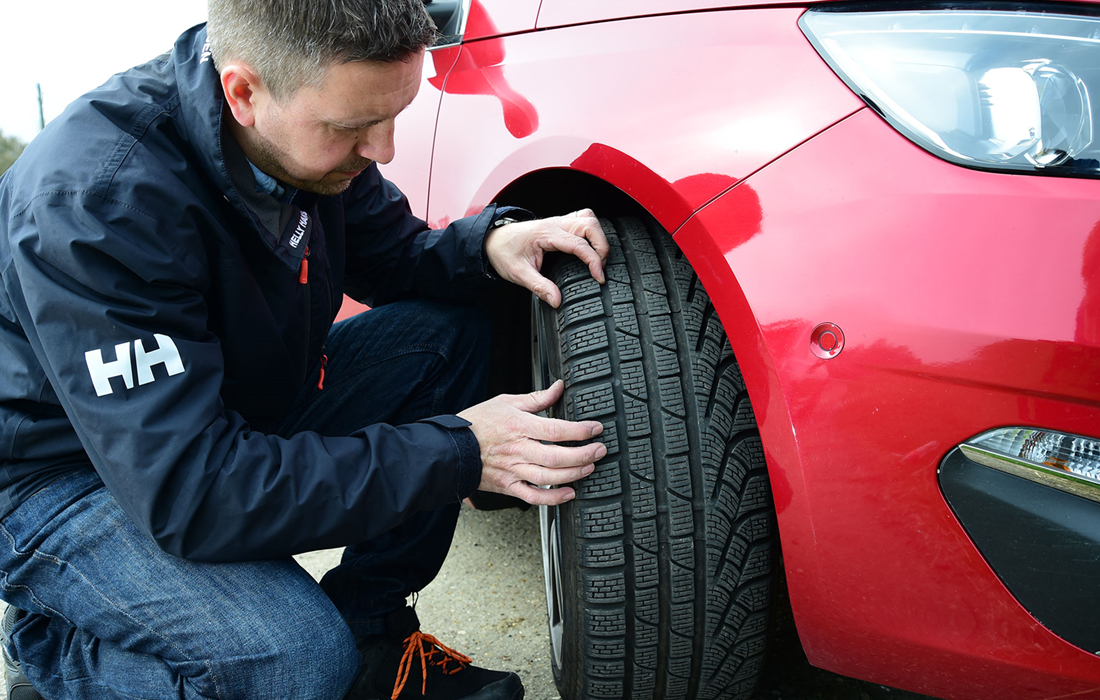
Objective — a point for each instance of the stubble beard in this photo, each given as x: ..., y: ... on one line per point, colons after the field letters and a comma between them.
x: 268, y: 157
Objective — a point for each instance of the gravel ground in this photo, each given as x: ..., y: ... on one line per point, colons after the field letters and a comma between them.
x: 488, y: 603
x: 488, y: 600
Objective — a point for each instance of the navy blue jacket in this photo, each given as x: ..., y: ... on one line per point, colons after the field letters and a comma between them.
x: 149, y: 320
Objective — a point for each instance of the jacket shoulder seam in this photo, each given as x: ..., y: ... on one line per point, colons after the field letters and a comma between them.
x: 131, y: 138
x: 104, y: 197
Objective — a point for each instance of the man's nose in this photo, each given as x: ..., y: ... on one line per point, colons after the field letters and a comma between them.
x: 378, y: 145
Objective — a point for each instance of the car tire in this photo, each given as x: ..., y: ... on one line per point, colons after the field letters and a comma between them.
x: 661, y: 573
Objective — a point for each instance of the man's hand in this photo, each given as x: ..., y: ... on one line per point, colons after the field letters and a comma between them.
x: 516, y: 250
x: 514, y: 459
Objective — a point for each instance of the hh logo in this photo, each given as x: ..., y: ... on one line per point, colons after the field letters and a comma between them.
x: 166, y: 354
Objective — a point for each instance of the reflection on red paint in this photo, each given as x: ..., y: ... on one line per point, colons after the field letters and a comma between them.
x: 637, y: 181
x: 703, y: 186
x: 478, y: 71
x: 742, y: 212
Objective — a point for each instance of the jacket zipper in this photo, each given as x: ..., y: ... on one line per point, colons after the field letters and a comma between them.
x: 303, y: 271
x: 303, y: 278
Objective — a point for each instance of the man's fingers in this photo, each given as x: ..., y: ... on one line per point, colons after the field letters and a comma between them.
x: 599, y: 243
x: 529, y: 277
x: 595, y: 234
x: 593, y: 231
x: 556, y: 430
x: 540, y: 400
x: 541, y: 497
x: 559, y: 456
x: 553, y: 429
x: 583, y: 249
x: 546, y: 476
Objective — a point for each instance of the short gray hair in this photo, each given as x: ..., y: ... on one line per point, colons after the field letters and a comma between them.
x: 290, y: 43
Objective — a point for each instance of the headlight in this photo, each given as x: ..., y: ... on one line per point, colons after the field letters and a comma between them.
x: 1001, y: 90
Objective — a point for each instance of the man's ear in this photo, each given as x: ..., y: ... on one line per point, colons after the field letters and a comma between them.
x: 243, y: 90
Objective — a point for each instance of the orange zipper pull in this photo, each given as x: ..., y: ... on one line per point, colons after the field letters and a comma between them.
x: 303, y: 273
x: 321, y: 381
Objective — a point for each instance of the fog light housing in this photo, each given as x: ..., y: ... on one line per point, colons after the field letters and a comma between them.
x: 1063, y: 461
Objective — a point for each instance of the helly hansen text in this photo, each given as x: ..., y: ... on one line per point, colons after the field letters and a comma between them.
x: 300, y: 231
x: 166, y: 354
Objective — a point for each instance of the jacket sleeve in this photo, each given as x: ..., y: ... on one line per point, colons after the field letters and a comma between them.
x: 392, y: 254
x: 112, y: 302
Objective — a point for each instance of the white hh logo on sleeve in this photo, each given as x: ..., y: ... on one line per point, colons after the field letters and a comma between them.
x: 166, y: 354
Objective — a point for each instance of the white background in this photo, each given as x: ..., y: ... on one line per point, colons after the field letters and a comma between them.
x: 72, y: 46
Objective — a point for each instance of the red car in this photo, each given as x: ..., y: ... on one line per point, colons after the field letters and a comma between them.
x: 850, y: 341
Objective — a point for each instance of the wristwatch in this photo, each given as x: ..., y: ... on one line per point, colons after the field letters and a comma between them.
x: 502, y: 221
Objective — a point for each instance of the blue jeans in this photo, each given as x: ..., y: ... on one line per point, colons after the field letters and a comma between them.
x: 112, y: 616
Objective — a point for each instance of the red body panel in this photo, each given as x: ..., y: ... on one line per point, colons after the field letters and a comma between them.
x: 558, y: 13
x: 706, y: 96
x: 969, y: 300
x: 565, y: 12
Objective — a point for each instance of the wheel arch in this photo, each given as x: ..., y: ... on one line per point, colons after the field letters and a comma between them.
x: 577, y: 171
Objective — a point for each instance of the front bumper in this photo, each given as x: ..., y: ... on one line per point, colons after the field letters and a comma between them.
x: 1042, y: 542
x: 968, y: 300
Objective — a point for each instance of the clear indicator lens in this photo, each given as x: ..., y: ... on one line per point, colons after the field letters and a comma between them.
x: 1074, y: 454
x: 1006, y: 90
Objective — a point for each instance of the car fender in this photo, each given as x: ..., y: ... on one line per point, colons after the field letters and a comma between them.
x: 619, y: 101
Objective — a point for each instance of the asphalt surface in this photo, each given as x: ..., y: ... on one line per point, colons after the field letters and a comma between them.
x: 488, y: 603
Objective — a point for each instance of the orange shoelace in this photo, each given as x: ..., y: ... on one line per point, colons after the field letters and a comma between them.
x: 415, y: 645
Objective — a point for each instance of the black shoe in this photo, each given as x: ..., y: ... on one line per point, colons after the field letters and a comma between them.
x: 19, y: 688
x: 394, y: 666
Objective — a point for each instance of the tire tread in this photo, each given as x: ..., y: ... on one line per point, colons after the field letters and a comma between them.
x: 675, y: 537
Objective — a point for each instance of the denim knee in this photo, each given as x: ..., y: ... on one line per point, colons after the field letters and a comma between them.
x: 302, y: 661
x: 299, y: 661
x: 338, y: 656
x: 469, y: 331
x: 461, y: 328
x: 458, y: 335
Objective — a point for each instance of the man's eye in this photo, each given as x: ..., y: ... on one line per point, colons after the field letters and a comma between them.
x: 341, y: 128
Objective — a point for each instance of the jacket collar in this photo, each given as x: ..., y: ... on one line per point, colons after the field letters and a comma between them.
x: 202, y: 109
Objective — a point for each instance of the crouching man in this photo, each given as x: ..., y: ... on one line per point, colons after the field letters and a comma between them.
x: 178, y: 413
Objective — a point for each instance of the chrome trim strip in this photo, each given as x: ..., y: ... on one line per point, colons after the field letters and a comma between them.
x: 465, y: 16
x: 1039, y: 473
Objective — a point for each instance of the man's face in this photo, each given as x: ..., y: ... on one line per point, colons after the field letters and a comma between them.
x: 319, y: 139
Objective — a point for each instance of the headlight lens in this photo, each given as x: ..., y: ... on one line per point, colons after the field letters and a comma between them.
x: 1004, y: 90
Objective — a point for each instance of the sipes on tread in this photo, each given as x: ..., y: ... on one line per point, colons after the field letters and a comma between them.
x: 670, y: 545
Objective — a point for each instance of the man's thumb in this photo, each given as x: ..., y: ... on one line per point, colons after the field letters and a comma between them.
x: 541, y: 287
x: 541, y: 400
